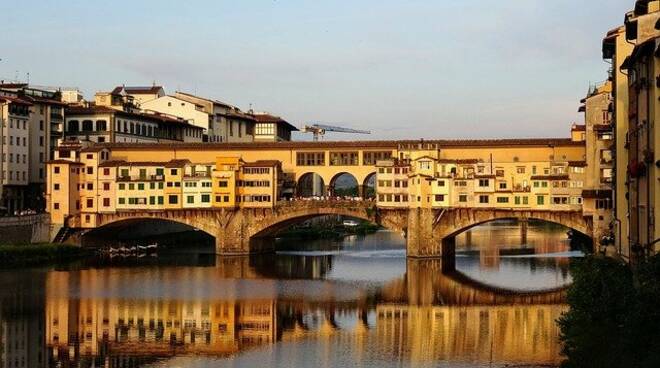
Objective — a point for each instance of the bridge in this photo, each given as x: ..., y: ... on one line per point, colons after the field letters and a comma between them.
x: 429, y: 232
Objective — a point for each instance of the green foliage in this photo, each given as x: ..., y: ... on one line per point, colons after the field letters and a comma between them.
x: 614, y: 319
x: 37, y: 254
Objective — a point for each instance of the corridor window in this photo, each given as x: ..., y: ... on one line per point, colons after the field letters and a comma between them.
x: 173, y: 199
x: 502, y: 199
x: 343, y: 158
x: 483, y: 199
x: 310, y: 158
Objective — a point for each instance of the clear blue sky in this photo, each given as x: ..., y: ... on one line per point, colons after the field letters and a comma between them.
x: 403, y: 69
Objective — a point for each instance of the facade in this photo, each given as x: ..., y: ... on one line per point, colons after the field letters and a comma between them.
x: 632, y: 51
x: 45, y: 117
x: 102, y: 124
x: 226, y: 123
x: 87, y: 179
x: 599, y: 144
x: 615, y: 50
x: 14, y: 149
x: 643, y: 136
x: 270, y: 128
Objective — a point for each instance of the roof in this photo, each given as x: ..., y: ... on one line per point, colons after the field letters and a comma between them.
x: 171, y: 163
x: 16, y: 100
x: 13, y: 85
x: 366, y: 145
x: 268, y: 118
x: 597, y: 193
x: 61, y: 161
x: 177, y: 163
x: 550, y: 177
x: 578, y: 128
x: 217, y: 102
x: 137, y: 90
x: 93, y: 149
x: 262, y: 163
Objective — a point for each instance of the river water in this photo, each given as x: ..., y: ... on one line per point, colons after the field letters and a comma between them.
x: 357, y: 302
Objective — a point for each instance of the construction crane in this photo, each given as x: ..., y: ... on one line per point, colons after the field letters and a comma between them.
x: 319, y: 130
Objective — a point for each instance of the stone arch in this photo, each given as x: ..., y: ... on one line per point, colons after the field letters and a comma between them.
x: 449, y: 223
x: 270, y: 226
x: 461, y: 220
x: 140, y: 227
x: 349, y: 176
x: 207, y: 221
x: 368, y: 190
x: 310, y: 184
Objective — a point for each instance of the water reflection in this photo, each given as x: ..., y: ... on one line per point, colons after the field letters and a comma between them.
x: 354, y: 306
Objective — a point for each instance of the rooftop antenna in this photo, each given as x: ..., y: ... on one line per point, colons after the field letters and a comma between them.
x: 28, y: 77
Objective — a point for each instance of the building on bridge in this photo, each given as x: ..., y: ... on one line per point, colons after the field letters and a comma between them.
x: 412, y: 184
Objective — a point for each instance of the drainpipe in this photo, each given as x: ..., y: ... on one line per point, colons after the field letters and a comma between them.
x: 649, y: 236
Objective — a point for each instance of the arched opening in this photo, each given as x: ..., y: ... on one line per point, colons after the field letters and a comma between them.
x: 326, y: 231
x: 344, y: 185
x: 539, y: 252
x: 166, y: 234
x: 310, y: 185
x: 369, y: 186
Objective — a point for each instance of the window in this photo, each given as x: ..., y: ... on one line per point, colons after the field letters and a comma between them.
x: 206, y: 198
x: 160, y: 199
x: 122, y: 200
x: 520, y: 170
x: 190, y: 199
x: 106, y: 171
x: 56, y: 170
x: 540, y: 200
x: 106, y: 202
x: 172, y: 199
x: 90, y: 203
x: 525, y: 200
x: 343, y: 158
x: 516, y: 200
x: 370, y: 158
x: 484, y: 182
x: 140, y: 186
x: 122, y: 186
x: 87, y: 125
x: 222, y: 184
x: 462, y: 198
x: 441, y: 183
x: 439, y: 197
x: 56, y: 187
x: 502, y: 185
x: 56, y: 206
x: 502, y: 199
x: 483, y: 199
x: 173, y: 171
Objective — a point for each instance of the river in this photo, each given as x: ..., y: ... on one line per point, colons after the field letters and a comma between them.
x: 357, y: 302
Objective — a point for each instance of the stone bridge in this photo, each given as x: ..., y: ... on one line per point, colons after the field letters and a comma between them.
x: 429, y: 232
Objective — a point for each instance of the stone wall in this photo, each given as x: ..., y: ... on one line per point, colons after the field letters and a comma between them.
x: 25, y: 229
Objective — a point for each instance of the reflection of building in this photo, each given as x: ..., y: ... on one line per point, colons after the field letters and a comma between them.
x: 524, y: 334
x: 22, y: 322
x: 86, y: 327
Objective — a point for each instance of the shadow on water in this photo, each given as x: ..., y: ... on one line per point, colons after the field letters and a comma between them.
x: 359, y: 302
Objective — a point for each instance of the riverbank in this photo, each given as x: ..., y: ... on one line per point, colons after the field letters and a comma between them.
x: 12, y: 256
x: 614, y: 320
x: 328, y: 232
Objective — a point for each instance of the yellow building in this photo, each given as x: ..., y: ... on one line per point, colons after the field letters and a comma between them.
x: 616, y: 49
x: 643, y: 136
x: 517, y: 173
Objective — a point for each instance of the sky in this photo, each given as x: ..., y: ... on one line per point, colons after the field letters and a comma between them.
x: 442, y: 69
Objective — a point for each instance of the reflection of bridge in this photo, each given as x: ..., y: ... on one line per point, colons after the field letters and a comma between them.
x: 114, y: 326
x: 429, y: 232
